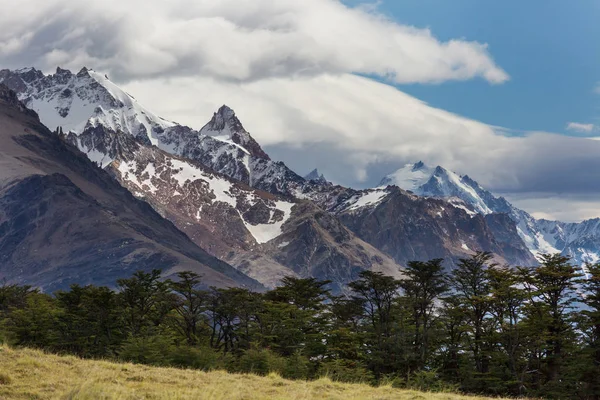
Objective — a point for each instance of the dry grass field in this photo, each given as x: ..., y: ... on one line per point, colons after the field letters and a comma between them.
x: 32, y: 374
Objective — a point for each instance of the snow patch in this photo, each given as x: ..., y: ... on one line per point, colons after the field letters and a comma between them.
x: 366, y: 198
x: 264, y: 233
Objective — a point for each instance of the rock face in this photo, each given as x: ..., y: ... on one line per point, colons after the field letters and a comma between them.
x: 63, y: 220
x: 230, y: 198
x: 410, y: 227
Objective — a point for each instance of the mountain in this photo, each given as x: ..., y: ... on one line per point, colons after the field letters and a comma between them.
x: 207, y: 183
x: 264, y: 235
x: 410, y: 227
x: 581, y: 241
x: 63, y: 220
x: 225, y: 192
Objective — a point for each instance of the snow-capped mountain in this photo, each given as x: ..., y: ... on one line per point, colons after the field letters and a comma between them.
x: 220, y: 187
x: 90, y: 108
x: 201, y: 180
x: 581, y: 241
x: 81, y: 102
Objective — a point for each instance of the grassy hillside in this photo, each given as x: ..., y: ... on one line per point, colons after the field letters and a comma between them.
x: 31, y: 374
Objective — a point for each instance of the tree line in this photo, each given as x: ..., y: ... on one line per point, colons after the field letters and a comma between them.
x: 479, y: 328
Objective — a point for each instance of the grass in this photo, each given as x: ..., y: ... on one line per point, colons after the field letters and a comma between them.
x: 32, y: 374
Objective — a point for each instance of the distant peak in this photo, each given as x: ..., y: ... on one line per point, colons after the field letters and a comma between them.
x: 24, y: 70
x: 83, y: 72
x: 225, y: 118
x: 315, y: 176
x: 28, y: 75
x: 225, y: 111
x: 61, y: 71
x: 418, y: 166
x: 439, y: 170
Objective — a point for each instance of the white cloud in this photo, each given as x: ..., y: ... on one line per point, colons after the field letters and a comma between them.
x: 564, y: 207
x: 239, y: 40
x: 597, y: 88
x: 579, y: 127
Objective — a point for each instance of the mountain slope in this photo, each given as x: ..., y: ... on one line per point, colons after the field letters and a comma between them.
x: 64, y: 220
x: 264, y: 235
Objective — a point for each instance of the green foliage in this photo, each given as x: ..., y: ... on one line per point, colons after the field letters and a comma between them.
x: 296, y: 366
x: 202, y: 358
x: 479, y: 328
x: 152, y: 350
x: 346, y: 371
x: 425, y: 381
x: 259, y: 362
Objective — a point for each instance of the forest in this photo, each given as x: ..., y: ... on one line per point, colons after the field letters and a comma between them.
x: 478, y: 328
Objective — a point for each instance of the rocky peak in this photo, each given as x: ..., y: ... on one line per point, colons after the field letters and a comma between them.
x: 315, y: 176
x: 225, y: 123
x: 418, y: 166
x: 9, y: 97
x: 61, y: 71
x: 83, y: 72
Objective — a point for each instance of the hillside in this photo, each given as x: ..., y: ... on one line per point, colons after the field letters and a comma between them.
x: 31, y: 374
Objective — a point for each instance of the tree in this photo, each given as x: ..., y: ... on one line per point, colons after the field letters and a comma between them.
x: 551, y: 294
x: 90, y: 321
x: 506, y: 307
x: 424, y: 284
x: 146, y: 301
x: 377, y: 294
x: 189, y: 305
x: 232, y: 315
x: 302, y: 315
x: 471, y: 286
x: 590, y: 327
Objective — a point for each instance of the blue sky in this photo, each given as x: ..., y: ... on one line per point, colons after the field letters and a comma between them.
x: 546, y: 46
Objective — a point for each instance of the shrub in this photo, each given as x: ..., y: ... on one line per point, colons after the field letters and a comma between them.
x: 5, y: 379
x: 346, y: 371
x: 204, y: 358
x: 296, y: 366
x: 153, y: 350
x: 260, y: 362
x: 427, y: 381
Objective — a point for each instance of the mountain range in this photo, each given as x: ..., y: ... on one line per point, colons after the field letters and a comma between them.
x: 233, y: 213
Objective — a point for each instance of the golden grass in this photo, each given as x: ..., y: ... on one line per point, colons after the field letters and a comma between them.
x: 32, y: 374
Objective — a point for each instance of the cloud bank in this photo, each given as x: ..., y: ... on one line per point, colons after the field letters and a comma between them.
x: 238, y: 40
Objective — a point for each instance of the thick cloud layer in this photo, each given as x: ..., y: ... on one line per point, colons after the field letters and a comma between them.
x: 239, y: 40
x: 288, y: 68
